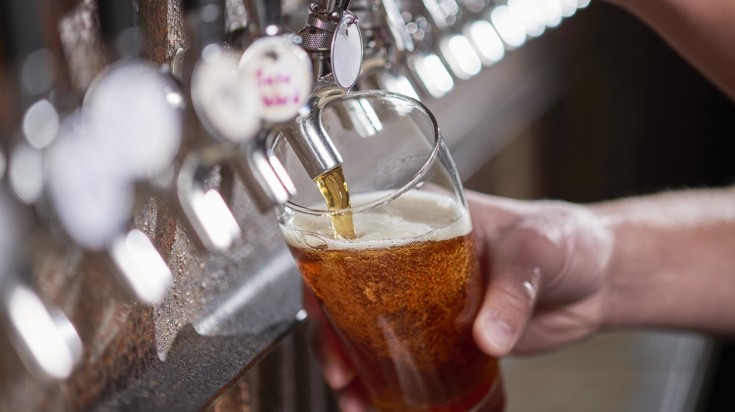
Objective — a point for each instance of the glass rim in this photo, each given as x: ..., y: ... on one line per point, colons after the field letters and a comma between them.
x: 394, y: 193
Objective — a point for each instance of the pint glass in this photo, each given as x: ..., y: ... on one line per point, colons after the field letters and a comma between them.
x: 403, y: 293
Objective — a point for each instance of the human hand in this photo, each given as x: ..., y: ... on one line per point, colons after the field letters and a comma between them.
x: 546, y: 263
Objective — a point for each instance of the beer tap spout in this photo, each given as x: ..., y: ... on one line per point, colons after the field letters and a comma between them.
x: 310, y: 141
x: 334, y: 43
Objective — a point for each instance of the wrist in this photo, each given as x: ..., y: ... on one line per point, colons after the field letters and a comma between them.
x: 670, y: 266
x: 624, y: 293
x: 611, y: 295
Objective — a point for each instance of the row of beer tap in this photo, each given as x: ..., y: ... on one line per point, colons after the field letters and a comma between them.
x: 73, y: 166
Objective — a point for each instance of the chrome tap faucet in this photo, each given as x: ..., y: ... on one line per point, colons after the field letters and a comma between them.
x: 334, y: 42
x: 42, y: 335
x: 241, y: 99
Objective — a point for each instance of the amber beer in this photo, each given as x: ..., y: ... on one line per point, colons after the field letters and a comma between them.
x: 403, y: 295
x: 333, y: 187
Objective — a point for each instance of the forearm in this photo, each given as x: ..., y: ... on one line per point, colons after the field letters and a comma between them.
x: 673, y: 263
x: 700, y: 30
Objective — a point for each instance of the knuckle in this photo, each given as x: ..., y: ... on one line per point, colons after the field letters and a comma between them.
x: 516, y: 297
x: 535, y: 245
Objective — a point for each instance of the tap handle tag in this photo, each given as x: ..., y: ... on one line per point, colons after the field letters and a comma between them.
x: 223, y: 103
x: 279, y: 74
x: 128, y: 130
x: 346, y: 52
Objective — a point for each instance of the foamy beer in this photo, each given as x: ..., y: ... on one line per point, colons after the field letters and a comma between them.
x: 403, y: 293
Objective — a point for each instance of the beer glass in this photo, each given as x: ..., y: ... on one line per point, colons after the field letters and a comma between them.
x: 403, y: 293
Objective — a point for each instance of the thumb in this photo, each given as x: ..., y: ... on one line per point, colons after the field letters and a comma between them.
x: 520, y: 257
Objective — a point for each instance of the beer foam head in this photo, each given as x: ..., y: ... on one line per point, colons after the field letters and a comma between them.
x: 414, y: 216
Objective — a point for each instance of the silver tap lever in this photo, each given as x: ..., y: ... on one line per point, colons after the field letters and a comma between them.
x: 59, y: 197
x: 125, y: 136
x: 265, y: 171
x: 205, y: 209
x: 279, y: 74
x: 42, y: 335
x: 334, y: 41
x: 239, y: 99
x: 85, y: 179
x: 310, y: 141
x: 151, y: 104
x: 221, y: 106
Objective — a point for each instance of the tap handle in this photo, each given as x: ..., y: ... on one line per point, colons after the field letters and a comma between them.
x: 126, y: 133
x: 334, y: 30
x: 43, y: 336
x: 139, y: 267
x: 206, y: 211
x: 265, y: 176
x: 278, y: 74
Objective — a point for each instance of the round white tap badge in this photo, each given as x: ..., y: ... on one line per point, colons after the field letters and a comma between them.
x: 128, y: 112
x: 223, y: 103
x: 279, y: 73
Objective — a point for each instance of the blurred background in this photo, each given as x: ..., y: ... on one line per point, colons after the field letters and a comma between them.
x: 589, y: 105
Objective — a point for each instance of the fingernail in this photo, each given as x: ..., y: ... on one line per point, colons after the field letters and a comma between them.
x: 499, y: 333
x: 348, y: 402
x: 336, y: 372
